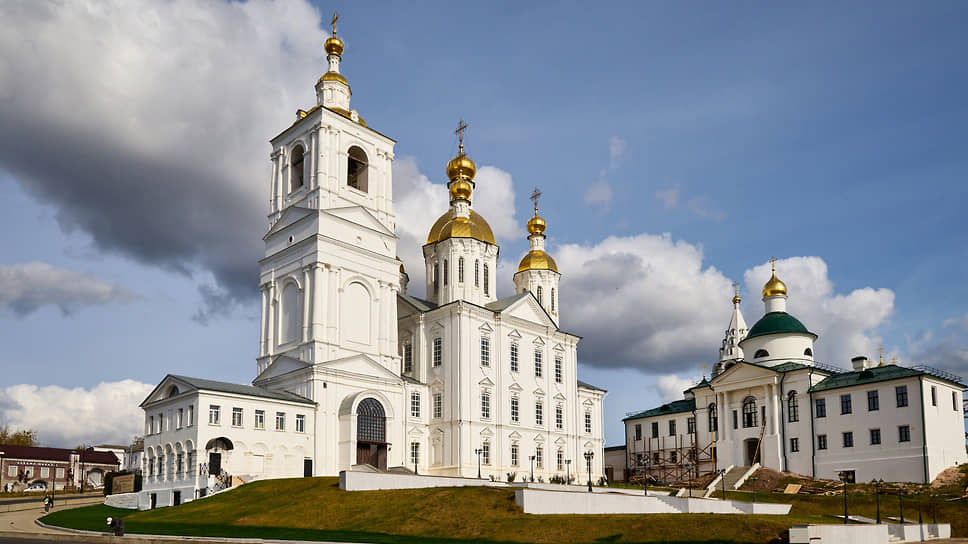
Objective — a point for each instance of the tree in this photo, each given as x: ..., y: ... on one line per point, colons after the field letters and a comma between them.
x: 23, y: 437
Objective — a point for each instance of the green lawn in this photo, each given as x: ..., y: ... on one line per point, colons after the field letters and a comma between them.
x: 315, y: 509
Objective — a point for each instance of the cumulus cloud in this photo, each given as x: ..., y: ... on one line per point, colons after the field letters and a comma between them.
x: 106, y: 413
x: 947, y: 350
x: 616, y: 148
x: 960, y: 322
x: 418, y: 202
x: 599, y: 193
x: 153, y: 118
x: 847, y: 323
x: 669, y: 197
x: 670, y: 387
x: 704, y: 207
x: 29, y: 286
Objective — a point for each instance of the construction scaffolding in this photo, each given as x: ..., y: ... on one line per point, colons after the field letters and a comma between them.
x: 676, y: 461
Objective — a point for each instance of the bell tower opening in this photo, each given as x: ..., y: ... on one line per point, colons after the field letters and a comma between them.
x: 296, y: 168
x: 356, y: 169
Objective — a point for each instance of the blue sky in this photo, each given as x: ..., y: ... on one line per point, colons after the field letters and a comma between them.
x: 135, y: 166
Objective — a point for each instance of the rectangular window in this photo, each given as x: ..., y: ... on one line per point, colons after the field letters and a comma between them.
x: 414, y: 404
x: 901, y: 393
x: 485, y: 405
x: 300, y: 423
x: 408, y: 357
x: 848, y: 439
x: 151, y: 425
x: 691, y: 425
x: 588, y: 422
x: 446, y: 270
x: 485, y: 351
x: 415, y: 450
x: 438, y: 405
x: 735, y: 420
x: 436, y: 278
x: 821, y: 441
x: 793, y: 409
x: 11, y: 470
x: 514, y: 455
x: 487, y: 280
x: 559, y: 417
x: 539, y: 413
x: 514, y: 357
x: 873, y: 402
x: 537, y: 363
x: 672, y: 427
x: 236, y: 417
x: 45, y: 472
x: 191, y: 415
x: 539, y: 457
x: 954, y: 401
x: 904, y: 433
x: 821, y: 410
x: 460, y: 270
x: 845, y: 407
x: 213, y: 414
x: 280, y: 421
x: 514, y: 409
x: 638, y: 431
x: 558, y: 375
x: 560, y: 460
x: 875, y: 437
x: 794, y: 445
x: 59, y: 472
x: 438, y: 352
x: 260, y: 419
x: 655, y: 429
x: 486, y: 453
x: 934, y: 396
x: 180, y: 418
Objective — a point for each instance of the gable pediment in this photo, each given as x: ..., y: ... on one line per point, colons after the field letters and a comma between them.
x: 561, y: 441
x: 559, y: 347
x: 290, y: 215
x: 164, y: 389
x: 528, y: 309
x: 515, y: 435
x: 559, y: 396
x: 539, y: 438
x: 514, y: 334
x: 741, y: 372
x: 538, y: 341
x: 360, y: 216
x: 282, y: 364
x: 486, y: 382
x: 487, y: 432
x: 538, y: 392
x: 359, y: 365
x: 515, y: 387
x: 485, y: 328
x: 588, y: 402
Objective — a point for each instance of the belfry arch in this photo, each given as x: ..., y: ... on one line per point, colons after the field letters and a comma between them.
x: 371, y: 434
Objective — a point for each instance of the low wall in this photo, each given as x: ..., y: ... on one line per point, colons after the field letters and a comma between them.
x: 370, y: 481
x: 539, y: 501
x: 123, y: 500
x: 855, y: 534
x: 915, y: 533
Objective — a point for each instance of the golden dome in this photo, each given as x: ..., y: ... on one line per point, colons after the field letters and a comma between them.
x: 458, y: 227
x: 537, y: 259
x: 334, y: 76
x: 461, y: 167
x: 460, y: 190
x: 536, y: 225
x: 774, y: 287
x: 736, y: 299
x: 334, y: 46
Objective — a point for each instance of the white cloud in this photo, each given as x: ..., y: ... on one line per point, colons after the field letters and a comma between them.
x: 106, y: 413
x: 418, y: 202
x: 599, y: 193
x: 670, y: 387
x: 960, y: 321
x: 847, y: 323
x: 28, y: 286
x: 616, y: 148
x: 705, y: 208
x: 669, y: 197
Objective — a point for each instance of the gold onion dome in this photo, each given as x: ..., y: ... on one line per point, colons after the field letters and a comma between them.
x: 774, y: 287
x: 448, y: 226
x: 333, y: 46
x: 736, y: 299
x: 537, y: 259
x: 461, y: 167
x: 460, y: 190
x: 536, y: 225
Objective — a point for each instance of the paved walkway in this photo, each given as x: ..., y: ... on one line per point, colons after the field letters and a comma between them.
x: 22, y: 521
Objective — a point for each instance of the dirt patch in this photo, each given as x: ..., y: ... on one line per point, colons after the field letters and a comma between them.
x: 953, y: 477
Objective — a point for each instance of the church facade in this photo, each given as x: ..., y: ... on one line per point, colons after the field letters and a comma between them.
x: 769, y: 402
x: 353, y: 370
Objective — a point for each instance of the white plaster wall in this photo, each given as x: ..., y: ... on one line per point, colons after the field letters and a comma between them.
x: 944, y: 425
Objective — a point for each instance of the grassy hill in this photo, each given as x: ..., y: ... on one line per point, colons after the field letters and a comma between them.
x: 316, y: 509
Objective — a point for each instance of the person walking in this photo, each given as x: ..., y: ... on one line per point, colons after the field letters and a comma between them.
x: 48, y: 503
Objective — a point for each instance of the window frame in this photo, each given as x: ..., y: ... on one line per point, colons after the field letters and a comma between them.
x: 846, y: 404
x: 820, y: 408
x: 848, y: 439
x: 485, y: 351
x: 515, y: 409
x: 875, y: 437
x: 793, y: 407
x: 437, y: 355
x: 280, y: 421
x: 240, y: 413
x: 538, y: 363
x: 300, y: 423
x: 821, y: 442
x: 415, y: 404
x: 260, y: 420
x: 486, y: 405
x: 873, y: 401
x: 901, y: 396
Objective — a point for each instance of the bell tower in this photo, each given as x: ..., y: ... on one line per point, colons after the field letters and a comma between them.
x: 537, y: 271
x: 329, y: 277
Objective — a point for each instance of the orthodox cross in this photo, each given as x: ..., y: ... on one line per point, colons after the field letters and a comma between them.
x: 736, y: 288
x: 333, y: 22
x: 534, y: 198
x: 880, y: 350
x: 773, y: 263
x: 703, y: 367
x: 461, y: 127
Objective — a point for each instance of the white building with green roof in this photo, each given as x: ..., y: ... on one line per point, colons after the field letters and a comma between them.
x: 769, y: 402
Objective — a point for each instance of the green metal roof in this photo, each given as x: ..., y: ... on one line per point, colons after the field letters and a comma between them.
x: 777, y: 323
x: 587, y: 385
x: 239, y: 389
x: 674, y: 407
x: 788, y: 366
x: 866, y: 376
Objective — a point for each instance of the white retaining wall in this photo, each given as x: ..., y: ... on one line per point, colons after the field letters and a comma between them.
x: 868, y: 534
x: 369, y: 481
x: 539, y: 501
x: 123, y: 500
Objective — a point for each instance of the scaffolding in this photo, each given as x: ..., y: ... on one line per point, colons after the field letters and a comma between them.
x: 677, y: 461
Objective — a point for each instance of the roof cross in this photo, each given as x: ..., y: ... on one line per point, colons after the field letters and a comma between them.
x: 736, y: 288
x: 703, y: 367
x: 333, y: 22
x: 461, y: 127
x: 534, y: 198
x: 773, y: 263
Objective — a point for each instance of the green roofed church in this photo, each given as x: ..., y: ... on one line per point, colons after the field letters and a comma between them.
x: 769, y: 403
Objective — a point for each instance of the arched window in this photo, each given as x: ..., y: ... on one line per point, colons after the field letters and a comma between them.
x: 477, y: 273
x: 749, y: 412
x: 540, y: 294
x: 792, y: 408
x: 460, y: 270
x: 761, y: 353
x: 356, y: 169
x: 296, y: 168
x: 291, y: 314
x: 552, y: 299
x: 446, y: 271
x: 713, y: 418
x: 808, y: 352
x: 435, y: 278
x: 371, y: 421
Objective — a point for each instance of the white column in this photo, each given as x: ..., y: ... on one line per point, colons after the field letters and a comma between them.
x: 768, y: 400
x: 333, y: 290
x: 319, y: 292
x: 314, y: 157
x: 263, y: 289
x: 273, y: 199
x: 271, y: 321
x: 307, y: 303
x: 774, y: 428
x: 280, y: 179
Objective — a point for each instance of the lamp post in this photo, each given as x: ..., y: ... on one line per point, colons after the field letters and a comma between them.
x: 532, y: 468
x: 934, y: 508
x: 722, y: 471
x: 568, y: 471
x: 877, y: 496
x: 919, y: 506
x: 843, y: 478
x: 479, y: 451
x: 588, y: 461
x: 900, y: 501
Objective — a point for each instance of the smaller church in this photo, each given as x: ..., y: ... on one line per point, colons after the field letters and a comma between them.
x: 354, y: 372
x: 769, y: 403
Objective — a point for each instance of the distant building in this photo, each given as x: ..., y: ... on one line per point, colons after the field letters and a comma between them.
x: 616, y: 463
x: 54, y: 468
x: 129, y: 456
x: 768, y: 402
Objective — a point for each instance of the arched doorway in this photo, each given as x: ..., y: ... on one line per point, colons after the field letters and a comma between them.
x: 215, y: 447
x: 371, y: 434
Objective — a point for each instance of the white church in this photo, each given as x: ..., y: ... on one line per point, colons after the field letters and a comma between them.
x: 769, y: 402
x: 354, y: 371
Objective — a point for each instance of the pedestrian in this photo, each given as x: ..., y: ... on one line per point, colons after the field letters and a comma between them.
x: 47, y: 503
